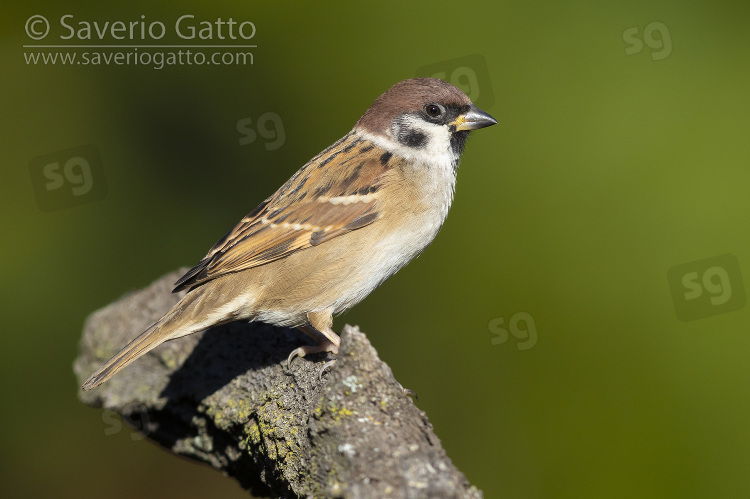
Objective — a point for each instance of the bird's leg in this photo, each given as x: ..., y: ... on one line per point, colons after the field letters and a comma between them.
x: 326, y: 340
x: 319, y: 330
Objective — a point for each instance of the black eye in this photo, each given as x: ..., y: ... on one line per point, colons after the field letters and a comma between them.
x: 434, y: 110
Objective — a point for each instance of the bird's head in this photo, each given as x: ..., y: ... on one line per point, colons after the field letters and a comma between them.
x: 424, y: 116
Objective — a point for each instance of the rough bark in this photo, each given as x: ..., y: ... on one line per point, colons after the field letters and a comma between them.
x: 223, y: 397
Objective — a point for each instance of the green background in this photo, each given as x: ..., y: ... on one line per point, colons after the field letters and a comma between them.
x: 605, y: 171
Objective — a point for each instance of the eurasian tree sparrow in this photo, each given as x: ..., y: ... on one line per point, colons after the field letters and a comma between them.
x: 345, y: 222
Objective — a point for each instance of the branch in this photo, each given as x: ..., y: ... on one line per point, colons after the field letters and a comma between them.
x: 223, y: 397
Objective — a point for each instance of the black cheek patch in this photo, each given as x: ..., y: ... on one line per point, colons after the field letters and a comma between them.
x: 412, y: 138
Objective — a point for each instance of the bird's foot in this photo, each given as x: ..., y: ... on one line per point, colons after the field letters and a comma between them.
x: 322, y: 347
x: 406, y: 391
x: 325, y: 366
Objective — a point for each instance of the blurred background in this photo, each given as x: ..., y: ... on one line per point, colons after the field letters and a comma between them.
x: 579, y: 328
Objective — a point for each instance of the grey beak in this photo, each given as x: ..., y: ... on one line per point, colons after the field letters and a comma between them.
x: 474, y: 119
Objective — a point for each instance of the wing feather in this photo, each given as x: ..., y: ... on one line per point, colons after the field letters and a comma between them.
x: 326, y: 198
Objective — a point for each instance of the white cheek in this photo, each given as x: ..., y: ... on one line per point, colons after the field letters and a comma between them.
x: 434, y: 164
x: 436, y: 152
x: 438, y: 137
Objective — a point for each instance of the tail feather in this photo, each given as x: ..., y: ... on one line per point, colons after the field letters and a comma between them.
x: 144, y: 342
x: 195, y: 312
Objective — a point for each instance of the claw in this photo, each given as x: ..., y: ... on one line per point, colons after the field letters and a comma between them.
x: 308, y: 349
x: 291, y: 357
x: 325, y: 366
x: 406, y: 391
x: 319, y: 330
x: 410, y: 393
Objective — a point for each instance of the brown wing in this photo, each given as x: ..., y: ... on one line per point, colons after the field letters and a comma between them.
x: 335, y: 193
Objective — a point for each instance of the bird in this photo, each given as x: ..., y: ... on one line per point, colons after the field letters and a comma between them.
x: 338, y: 228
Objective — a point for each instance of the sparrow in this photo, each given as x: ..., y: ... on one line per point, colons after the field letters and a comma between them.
x: 345, y: 222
